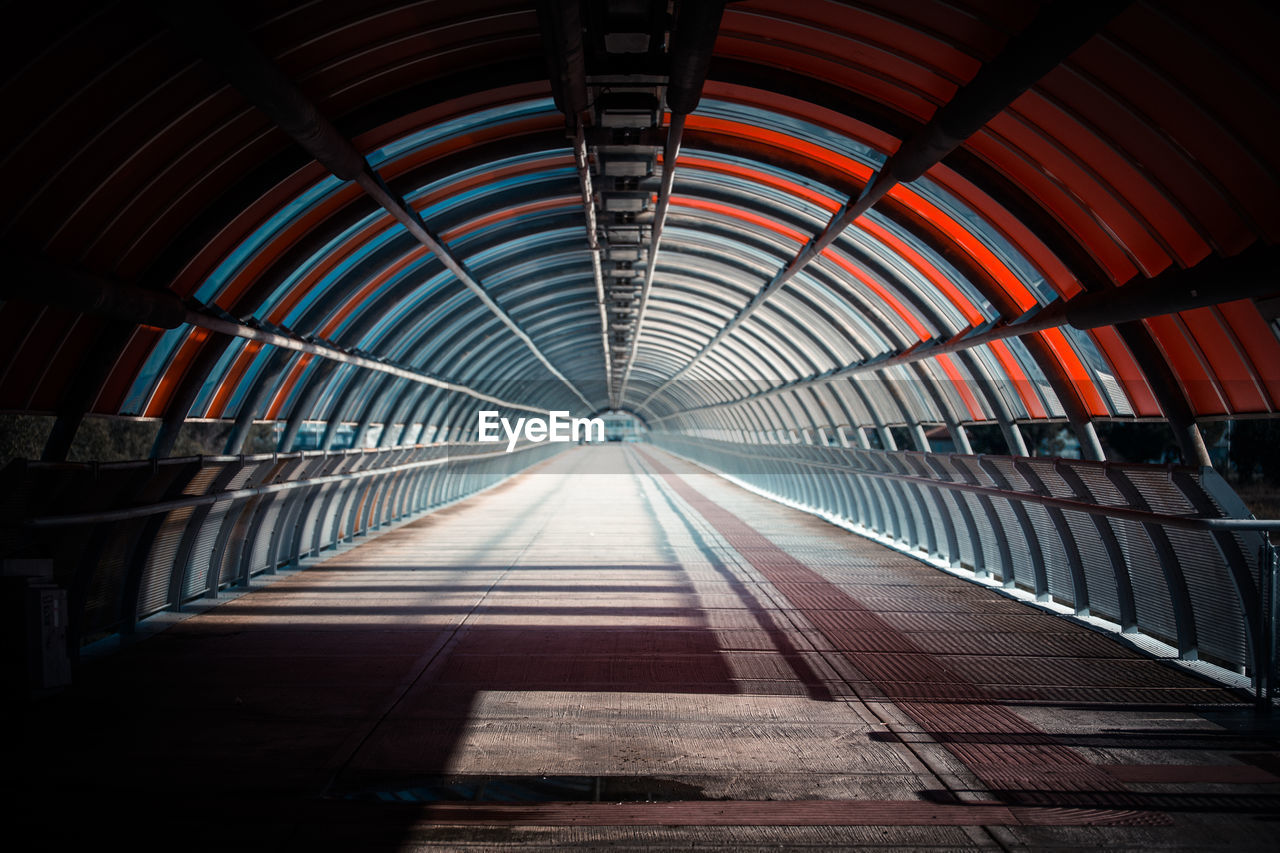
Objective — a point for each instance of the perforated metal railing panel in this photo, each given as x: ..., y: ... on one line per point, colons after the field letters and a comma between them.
x: 1195, y: 589
x: 132, y: 539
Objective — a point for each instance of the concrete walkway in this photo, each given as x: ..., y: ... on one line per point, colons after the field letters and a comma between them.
x: 618, y: 650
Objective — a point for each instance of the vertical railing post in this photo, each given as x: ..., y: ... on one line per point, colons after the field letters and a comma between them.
x: 1265, y: 672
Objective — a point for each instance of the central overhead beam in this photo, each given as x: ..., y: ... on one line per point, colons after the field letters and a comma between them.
x: 1254, y: 272
x: 692, y: 43
x: 582, y: 162
x: 692, y: 38
x: 1057, y: 31
x: 670, y: 151
x: 561, y: 25
x: 258, y: 79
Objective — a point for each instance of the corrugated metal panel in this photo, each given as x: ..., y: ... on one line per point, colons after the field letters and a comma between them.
x: 983, y: 531
x: 1044, y: 469
x: 342, y: 507
x: 259, y: 559
x: 1100, y: 578
x: 1150, y: 589
x: 1010, y: 472
x: 1159, y: 492
x: 313, y: 529
x: 889, y: 521
x: 153, y: 594
x: 196, y: 579
x: 233, y: 543
x: 926, y: 535
x: 242, y: 477
x: 1102, y: 489
x: 1219, y: 615
x: 287, y: 527
x: 987, y: 536
x: 940, y: 517
x: 1019, y: 548
x: 1056, y: 568
x: 970, y: 551
x: 203, y: 478
x: 859, y: 501
x: 904, y: 529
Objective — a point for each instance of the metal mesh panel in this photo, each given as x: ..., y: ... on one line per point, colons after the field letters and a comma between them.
x: 329, y: 524
x: 372, y: 513
x: 969, y: 549
x: 1219, y: 620
x: 986, y: 536
x: 1102, y: 489
x: 310, y: 527
x: 1150, y: 589
x: 935, y: 514
x: 902, y: 513
x: 891, y: 519
x: 203, y: 479
x: 111, y: 553
x: 1053, y: 482
x: 926, y: 534
x: 356, y: 508
x: 1019, y: 548
x: 153, y: 593
x: 1160, y: 494
x: 877, y: 519
x: 971, y: 471
x: 259, y: 559
x: 1056, y: 568
x: 233, y: 547
x: 940, y: 518
x: 287, y: 527
x: 242, y: 477
x: 196, y: 578
x: 1009, y: 471
x: 860, y: 500
x: 1099, y: 577
x: 895, y: 507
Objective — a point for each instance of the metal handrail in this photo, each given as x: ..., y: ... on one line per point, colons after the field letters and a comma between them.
x: 129, y: 513
x: 1190, y: 522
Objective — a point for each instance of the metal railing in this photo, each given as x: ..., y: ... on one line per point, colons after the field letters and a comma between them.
x: 1166, y: 551
x: 131, y: 539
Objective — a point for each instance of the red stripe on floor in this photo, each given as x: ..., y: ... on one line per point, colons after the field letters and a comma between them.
x: 1001, y: 748
x: 775, y: 813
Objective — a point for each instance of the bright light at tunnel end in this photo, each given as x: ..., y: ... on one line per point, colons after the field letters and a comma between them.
x: 559, y: 427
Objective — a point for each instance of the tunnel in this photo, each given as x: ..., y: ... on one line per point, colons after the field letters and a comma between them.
x: 640, y: 424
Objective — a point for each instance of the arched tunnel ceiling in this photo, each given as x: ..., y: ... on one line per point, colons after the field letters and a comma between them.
x: 1009, y: 282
